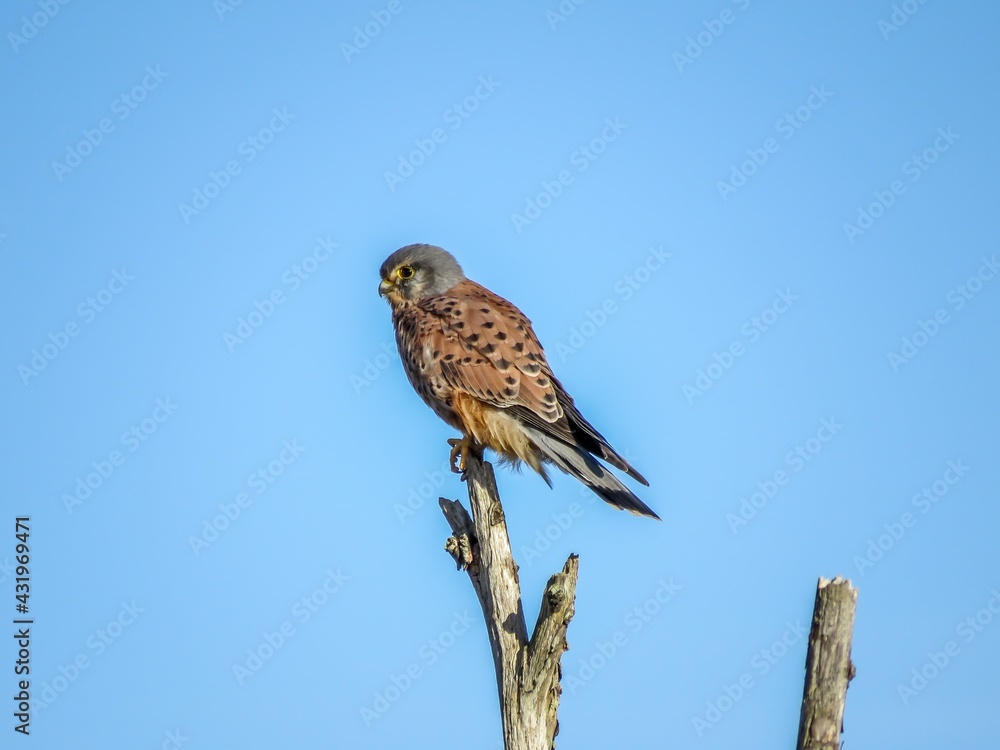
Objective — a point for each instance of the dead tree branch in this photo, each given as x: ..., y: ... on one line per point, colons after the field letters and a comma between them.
x: 828, y: 665
x: 528, y: 672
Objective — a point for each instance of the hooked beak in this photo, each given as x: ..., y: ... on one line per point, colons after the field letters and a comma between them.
x: 384, y: 287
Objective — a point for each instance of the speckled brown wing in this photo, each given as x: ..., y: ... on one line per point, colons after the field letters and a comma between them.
x: 486, y: 347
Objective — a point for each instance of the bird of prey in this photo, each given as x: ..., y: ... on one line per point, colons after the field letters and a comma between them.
x: 473, y: 358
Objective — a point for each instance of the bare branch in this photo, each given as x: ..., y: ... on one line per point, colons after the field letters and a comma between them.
x: 528, y: 674
x: 828, y: 665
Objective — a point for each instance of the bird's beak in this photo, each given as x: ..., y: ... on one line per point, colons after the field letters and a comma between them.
x: 385, y: 287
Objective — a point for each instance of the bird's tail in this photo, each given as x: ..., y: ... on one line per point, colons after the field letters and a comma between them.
x: 578, y: 463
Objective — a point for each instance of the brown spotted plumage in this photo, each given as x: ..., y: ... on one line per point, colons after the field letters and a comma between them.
x: 475, y: 360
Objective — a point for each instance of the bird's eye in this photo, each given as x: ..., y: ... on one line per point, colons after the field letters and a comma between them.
x: 405, y: 272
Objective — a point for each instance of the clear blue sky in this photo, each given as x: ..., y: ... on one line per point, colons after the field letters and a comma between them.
x: 758, y: 242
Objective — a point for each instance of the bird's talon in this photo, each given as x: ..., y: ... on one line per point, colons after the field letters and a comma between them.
x: 460, y: 448
x: 456, y: 449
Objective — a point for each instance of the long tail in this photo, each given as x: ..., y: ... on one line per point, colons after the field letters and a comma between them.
x: 578, y: 463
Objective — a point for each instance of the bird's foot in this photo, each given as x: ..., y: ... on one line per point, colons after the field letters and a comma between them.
x: 460, y: 449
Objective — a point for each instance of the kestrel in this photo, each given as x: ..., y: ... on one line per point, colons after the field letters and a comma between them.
x: 473, y: 358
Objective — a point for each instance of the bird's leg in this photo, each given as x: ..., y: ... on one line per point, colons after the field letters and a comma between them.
x: 460, y: 448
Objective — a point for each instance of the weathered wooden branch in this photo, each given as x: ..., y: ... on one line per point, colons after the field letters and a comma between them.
x: 828, y: 665
x: 528, y: 672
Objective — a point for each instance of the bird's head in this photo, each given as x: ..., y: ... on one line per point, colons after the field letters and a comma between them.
x: 416, y: 272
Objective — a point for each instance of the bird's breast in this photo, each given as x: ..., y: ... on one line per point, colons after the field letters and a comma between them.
x: 423, y: 370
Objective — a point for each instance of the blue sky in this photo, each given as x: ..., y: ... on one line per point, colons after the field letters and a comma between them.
x: 758, y: 243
